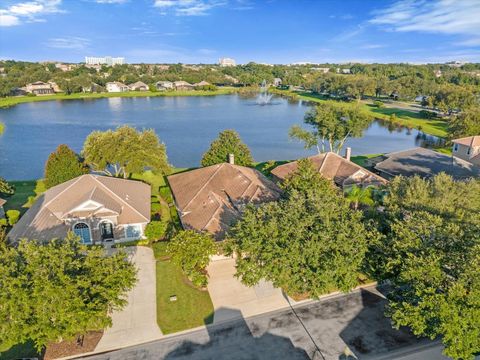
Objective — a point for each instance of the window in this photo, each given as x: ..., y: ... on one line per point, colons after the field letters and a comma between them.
x: 133, y: 231
x: 455, y: 147
x: 83, y: 231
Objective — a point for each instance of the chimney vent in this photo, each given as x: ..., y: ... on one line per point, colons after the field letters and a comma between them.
x: 231, y: 159
x: 348, y: 153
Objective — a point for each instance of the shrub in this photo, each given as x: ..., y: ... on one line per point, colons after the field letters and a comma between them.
x: 3, y: 222
x: 155, y: 230
x: 13, y: 216
x: 156, y: 208
x: 427, y: 114
x: 378, y: 104
x: 191, y: 251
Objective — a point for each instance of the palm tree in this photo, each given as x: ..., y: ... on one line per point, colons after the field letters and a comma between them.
x: 357, y: 195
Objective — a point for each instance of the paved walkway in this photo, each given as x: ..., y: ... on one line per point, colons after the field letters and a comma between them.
x: 137, y: 322
x: 231, y: 299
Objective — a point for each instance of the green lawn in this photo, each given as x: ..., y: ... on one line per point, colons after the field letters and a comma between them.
x: 360, y: 159
x: 436, y: 127
x: 11, y: 101
x: 193, y: 306
x: 26, y: 350
x: 23, y: 189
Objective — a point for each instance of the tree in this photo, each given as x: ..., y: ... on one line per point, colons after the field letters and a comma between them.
x: 191, y: 251
x: 430, y: 253
x: 228, y: 142
x: 309, y: 242
x: 357, y: 195
x: 5, y: 187
x: 467, y: 123
x: 155, y: 230
x: 63, y: 165
x: 60, y: 289
x: 332, y: 123
x: 13, y: 216
x: 124, y: 151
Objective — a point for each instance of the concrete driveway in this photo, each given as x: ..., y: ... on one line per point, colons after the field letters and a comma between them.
x: 231, y: 299
x: 137, y: 322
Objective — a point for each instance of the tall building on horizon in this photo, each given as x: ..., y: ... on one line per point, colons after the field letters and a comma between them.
x: 227, y: 62
x: 106, y: 60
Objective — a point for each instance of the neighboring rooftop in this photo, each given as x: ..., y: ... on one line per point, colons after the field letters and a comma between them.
x: 472, y: 141
x: 423, y: 162
x: 211, y: 198
x: 334, y: 167
x: 128, y: 200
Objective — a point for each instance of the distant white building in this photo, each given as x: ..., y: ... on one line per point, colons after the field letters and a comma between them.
x: 116, y: 86
x: 227, y: 62
x: 106, y: 60
x: 277, y: 82
x: 320, y: 69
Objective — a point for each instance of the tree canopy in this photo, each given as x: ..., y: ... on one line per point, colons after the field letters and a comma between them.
x: 309, y: 242
x: 124, y: 151
x: 191, y: 251
x: 62, y: 165
x: 228, y: 142
x: 58, y: 290
x: 431, y: 255
x: 333, y: 123
x: 5, y: 187
x: 467, y: 123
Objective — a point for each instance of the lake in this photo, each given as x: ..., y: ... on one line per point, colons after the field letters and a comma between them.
x: 186, y: 125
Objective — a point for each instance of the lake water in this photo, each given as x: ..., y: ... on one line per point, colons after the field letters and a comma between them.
x: 187, y: 125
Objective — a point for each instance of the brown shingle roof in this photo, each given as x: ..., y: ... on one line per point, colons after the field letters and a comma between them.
x: 334, y: 167
x: 472, y: 141
x: 45, y: 219
x: 211, y: 198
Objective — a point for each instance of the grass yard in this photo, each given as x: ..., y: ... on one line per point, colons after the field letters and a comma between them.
x: 11, y: 101
x: 436, y: 127
x: 23, y: 190
x: 26, y: 350
x: 360, y: 159
x: 193, y: 306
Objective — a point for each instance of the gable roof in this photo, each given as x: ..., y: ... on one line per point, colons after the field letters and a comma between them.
x: 472, y: 141
x: 128, y: 199
x: 423, y: 162
x: 138, y: 84
x: 211, y: 198
x: 334, y: 167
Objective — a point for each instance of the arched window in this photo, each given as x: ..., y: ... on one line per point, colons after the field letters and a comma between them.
x: 83, y: 231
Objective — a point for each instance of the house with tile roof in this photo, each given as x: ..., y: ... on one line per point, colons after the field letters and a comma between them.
x: 468, y: 149
x: 116, y: 86
x: 212, y: 198
x: 343, y: 172
x: 96, y: 208
x: 138, y: 86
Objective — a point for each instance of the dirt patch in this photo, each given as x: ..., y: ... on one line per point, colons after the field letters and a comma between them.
x: 73, y: 347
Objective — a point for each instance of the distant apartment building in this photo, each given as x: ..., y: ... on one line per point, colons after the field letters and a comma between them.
x: 227, y: 62
x: 65, y: 67
x: 106, y: 60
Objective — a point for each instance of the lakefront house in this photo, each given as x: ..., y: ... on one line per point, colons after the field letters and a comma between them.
x: 96, y: 208
x: 211, y: 198
x: 116, y: 86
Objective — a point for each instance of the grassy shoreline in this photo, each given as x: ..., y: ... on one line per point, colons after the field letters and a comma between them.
x: 410, y: 119
x: 15, y: 100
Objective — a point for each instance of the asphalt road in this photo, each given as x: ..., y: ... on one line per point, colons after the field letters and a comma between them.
x: 324, y: 330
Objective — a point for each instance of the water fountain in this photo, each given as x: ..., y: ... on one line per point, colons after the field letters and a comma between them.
x: 264, y: 97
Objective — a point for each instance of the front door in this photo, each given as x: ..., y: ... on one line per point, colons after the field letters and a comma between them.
x: 106, y: 229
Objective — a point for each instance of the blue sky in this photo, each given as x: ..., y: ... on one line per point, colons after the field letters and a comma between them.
x: 269, y: 31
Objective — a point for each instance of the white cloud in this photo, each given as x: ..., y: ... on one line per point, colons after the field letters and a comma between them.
x: 69, y: 42
x: 452, y: 17
x: 28, y: 11
x: 9, y: 20
x: 111, y: 1
x: 188, y: 7
x: 372, y: 46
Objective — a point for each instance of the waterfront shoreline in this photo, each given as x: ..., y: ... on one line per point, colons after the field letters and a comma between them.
x: 15, y: 100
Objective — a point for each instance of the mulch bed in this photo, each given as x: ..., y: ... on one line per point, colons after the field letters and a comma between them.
x: 73, y: 347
